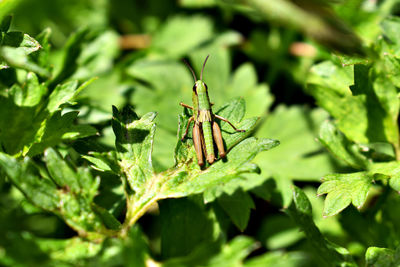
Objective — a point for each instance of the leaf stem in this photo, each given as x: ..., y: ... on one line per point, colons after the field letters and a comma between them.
x: 397, y: 150
x: 139, y: 202
x: 136, y: 207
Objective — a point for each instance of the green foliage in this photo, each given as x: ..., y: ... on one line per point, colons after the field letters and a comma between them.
x: 382, y: 257
x: 343, y: 189
x: 66, y: 192
x: 365, y: 107
x: 54, y: 184
x: 301, y: 212
x: 93, y: 171
x: 134, y: 138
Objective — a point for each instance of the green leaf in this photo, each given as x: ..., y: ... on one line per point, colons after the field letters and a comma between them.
x: 79, y: 131
x: 61, y: 95
x: 34, y: 126
x: 60, y: 172
x: 347, y: 60
x: 17, y: 51
x: 329, y: 226
x: 278, y: 231
x: 30, y: 94
x: 301, y: 213
x: 134, y: 143
x: 17, y: 58
x: 181, y: 35
x: 362, y: 19
x: 243, y: 182
x: 42, y: 192
x: 238, y: 207
x: 388, y: 170
x: 68, y: 192
x: 244, y: 84
x: 372, y: 102
x: 78, y: 188
x: 115, y: 95
x: 24, y: 42
x: 343, y: 190
x: 14, y: 39
x: 390, y: 27
x: 382, y: 257
x: 135, y: 249
x: 167, y: 80
x: 353, y: 124
x: 106, y: 217
x: 51, y: 132
x: 220, y: 172
x: 327, y: 74
x: 103, y: 161
x: 97, y: 56
x: 275, y: 189
x: 279, y: 259
x: 235, y: 111
x: 185, y: 225
x: 198, y: 3
x: 69, y: 250
x: 197, y: 256
x: 387, y: 48
x: 98, y: 164
x: 131, y: 251
x: 5, y: 23
x: 41, y: 56
x: 353, y: 188
x: 386, y: 94
x: 231, y: 254
x: 337, y: 143
x: 299, y: 156
x: 22, y: 122
x: 20, y: 249
x: 72, y: 51
x: 234, y: 253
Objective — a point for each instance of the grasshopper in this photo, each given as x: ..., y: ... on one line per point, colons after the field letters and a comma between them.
x: 205, y: 130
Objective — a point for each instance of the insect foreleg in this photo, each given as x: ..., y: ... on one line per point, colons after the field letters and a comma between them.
x: 187, y: 128
x: 186, y: 106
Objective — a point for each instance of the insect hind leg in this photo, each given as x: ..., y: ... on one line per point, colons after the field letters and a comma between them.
x: 226, y: 120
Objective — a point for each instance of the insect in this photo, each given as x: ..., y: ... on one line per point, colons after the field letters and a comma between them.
x: 205, y: 130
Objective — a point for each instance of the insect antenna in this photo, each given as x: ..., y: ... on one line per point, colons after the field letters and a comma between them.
x: 191, y: 70
x: 204, y: 64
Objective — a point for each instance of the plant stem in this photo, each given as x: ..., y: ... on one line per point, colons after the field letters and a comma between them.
x: 136, y: 207
x: 397, y: 151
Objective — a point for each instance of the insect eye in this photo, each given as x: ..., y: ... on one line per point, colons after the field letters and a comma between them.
x: 195, y: 88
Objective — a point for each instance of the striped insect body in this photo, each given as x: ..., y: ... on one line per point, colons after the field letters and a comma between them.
x: 206, y: 131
